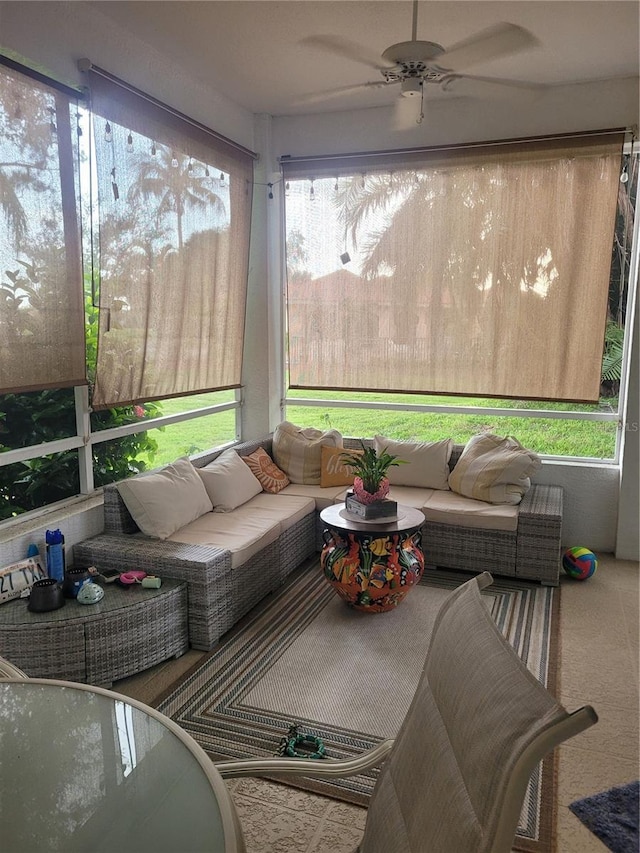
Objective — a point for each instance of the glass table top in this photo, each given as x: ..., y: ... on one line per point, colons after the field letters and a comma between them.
x: 83, y: 769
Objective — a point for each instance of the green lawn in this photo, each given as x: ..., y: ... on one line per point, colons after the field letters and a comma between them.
x: 593, y: 439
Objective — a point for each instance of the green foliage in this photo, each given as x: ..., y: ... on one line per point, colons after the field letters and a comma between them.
x: 41, y: 416
x: 370, y: 466
x: 613, y: 352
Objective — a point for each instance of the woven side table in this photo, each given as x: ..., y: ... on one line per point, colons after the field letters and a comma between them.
x: 128, y: 631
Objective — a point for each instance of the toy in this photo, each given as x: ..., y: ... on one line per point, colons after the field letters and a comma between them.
x: 579, y: 563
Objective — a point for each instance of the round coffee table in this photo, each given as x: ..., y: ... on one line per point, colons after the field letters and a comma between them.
x: 372, y: 564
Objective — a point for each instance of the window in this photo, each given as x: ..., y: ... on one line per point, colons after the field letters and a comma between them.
x: 163, y: 313
x: 410, y: 274
x: 174, y: 212
x: 41, y: 307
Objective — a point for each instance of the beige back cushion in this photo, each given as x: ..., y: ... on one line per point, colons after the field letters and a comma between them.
x: 165, y: 501
x: 298, y: 452
x: 494, y: 469
x: 229, y: 482
x: 427, y: 462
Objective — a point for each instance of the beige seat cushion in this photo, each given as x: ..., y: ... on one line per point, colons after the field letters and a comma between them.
x: 246, y: 530
x: 410, y: 496
x: 323, y: 497
x: 451, y: 508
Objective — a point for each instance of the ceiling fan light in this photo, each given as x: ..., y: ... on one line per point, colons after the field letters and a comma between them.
x: 411, y: 87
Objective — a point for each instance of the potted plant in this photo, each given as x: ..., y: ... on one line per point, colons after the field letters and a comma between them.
x: 370, y: 482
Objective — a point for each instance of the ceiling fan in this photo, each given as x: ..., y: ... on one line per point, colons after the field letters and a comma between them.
x: 414, y: 64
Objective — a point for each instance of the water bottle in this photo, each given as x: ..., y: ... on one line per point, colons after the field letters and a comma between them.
x: 55, y: 554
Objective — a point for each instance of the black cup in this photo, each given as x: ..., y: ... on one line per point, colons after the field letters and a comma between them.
x: 45, y: 595
x: 74, y: 580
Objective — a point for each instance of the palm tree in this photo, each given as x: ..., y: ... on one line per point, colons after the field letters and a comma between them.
x: 168, y: 178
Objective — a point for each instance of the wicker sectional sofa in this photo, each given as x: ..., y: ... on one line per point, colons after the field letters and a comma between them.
x: 225, y: 580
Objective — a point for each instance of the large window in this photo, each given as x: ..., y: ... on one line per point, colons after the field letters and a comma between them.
x: 156, y: 322
x: 471, y: 273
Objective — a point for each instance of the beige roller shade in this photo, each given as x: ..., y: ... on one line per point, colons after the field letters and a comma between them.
x: 174, y: 210
x: 480, y: 271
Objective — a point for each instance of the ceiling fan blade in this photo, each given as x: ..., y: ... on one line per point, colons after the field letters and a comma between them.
x: 499, y: 40
x: 344, y: 48
x: 448, y: 84
x: 329, y: 94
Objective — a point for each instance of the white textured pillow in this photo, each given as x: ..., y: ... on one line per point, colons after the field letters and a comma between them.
x: 428, y: 462
x: 163, y: 502
x: 229, y: 482
x: 494, y: 469
x: 298, y: 452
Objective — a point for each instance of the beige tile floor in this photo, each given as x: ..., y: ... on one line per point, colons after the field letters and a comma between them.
x: 599, y: 634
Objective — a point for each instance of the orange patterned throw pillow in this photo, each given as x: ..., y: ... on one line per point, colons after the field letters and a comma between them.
x: 265, y: 469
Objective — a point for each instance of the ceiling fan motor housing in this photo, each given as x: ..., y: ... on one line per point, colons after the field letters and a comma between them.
x: 413, y: 63
x: 411, y: 87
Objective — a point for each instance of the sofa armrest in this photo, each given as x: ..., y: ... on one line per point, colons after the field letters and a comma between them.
x: 540, y: 534
x: 205, y: 569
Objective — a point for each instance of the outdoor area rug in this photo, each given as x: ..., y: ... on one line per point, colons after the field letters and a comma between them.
x: 304, y: 657
x: 612, y: 816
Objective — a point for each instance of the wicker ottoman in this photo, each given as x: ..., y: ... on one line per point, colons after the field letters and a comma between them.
x: 128, y: 631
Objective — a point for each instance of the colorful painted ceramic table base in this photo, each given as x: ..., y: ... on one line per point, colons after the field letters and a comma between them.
x: 372, y: 565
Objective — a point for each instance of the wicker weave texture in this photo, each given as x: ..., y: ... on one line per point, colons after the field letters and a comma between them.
x: 128, y: 631
x: 146, y: 633
x: 206, y: 570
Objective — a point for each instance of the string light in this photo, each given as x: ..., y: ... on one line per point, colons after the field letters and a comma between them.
x: 130, y: 143
x: 335, y: 188
x: 207, y: 174
x: 286, y: 189
x: 154, y: 150
x: 221, y: 179
x: 270, y: 190
x: 79, y: 129
x: 624, y: 177
x: 108, y: 136
x: 312, y: 192
x: 190, y: 168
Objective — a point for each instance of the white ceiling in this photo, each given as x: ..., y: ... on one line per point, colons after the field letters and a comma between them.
x: 252, y: 51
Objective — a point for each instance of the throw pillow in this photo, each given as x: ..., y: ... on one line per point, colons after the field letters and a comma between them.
x: 333, y: 470
x: 229, y: 482
x: 263, y: 467
x: 494, y: 469
x: 163, y: 502
x: 428, y: 462
x: 297, y: 451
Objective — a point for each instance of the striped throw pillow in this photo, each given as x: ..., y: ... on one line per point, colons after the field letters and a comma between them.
x: 494, y: 469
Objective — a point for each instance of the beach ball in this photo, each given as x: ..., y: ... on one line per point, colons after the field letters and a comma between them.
x: 579, y: 563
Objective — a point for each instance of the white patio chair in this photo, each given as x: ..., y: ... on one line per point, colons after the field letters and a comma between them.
x: 8, y: 670
x: 455, y: 777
